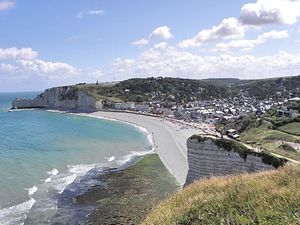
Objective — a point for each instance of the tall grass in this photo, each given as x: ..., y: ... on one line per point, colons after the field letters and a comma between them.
x: 267, y: 198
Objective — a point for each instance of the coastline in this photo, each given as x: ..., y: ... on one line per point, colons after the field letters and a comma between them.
x: 169, y: 138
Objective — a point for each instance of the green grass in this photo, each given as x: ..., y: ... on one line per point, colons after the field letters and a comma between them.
x: 271, y: 140
x: 267, y: 198
x: 291, y: 128
x: 101, y: 91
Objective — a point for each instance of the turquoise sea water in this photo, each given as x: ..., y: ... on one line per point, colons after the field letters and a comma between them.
x: 42, y: 153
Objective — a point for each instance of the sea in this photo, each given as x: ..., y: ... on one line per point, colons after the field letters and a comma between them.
x: 44, y: 154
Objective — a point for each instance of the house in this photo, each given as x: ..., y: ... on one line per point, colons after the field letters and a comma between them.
x: 290, y: 108
x: 142, y: 108
x: 125, y: 106
x: 232, y: 133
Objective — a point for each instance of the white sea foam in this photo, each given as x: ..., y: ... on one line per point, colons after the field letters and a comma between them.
x: 53, y: 172
x: 80, y: 169
x: 61, y: 181
x: 15, y: 214
x: 110, y: 159
x: 48, y: 180
x: 31, y: 190
x: 129, y: 157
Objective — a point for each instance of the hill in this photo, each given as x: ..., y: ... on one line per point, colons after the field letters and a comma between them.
x: 185, y: 90
x: 267, y: 198
x: 152, y: 89
x: 266, y: 88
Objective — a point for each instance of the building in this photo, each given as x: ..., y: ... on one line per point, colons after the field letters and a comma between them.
x: 291, y: 108
x: 142, y: 108
x: 232, y: 133
x: 125, y: 106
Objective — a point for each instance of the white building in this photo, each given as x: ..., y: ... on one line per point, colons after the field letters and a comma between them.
x: 142, y: 108
x: 125, y: 106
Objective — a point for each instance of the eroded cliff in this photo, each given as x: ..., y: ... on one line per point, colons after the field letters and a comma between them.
x: 65, y: 98
x: 209, y: 156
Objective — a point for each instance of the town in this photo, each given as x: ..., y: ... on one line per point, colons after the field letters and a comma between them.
x: 217, y: 110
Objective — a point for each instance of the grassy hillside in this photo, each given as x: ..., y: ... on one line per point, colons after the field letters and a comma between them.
x: 291, y: 128
x: 185, y: 90
x: 268, y: 198
x: 150, y: 89
x: 265, y: 88
x: 262, y: 135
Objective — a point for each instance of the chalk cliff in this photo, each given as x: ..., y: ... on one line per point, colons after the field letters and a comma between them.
x: 65, y: 98
x: 208, y: 156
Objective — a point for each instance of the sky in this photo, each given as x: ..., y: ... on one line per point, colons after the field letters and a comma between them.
x: 60, y: 42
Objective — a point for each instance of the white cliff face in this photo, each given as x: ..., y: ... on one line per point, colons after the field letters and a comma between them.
x: 206, y: 159
x: 65, y: 98
x: 38, y: 102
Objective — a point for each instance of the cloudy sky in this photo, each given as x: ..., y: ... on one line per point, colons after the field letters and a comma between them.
x: 49, y: 43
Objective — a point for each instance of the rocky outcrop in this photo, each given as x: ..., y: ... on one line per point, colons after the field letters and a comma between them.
x: 65, y: 98
x: 209, y: 156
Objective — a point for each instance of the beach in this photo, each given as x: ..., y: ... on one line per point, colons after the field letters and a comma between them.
x: 169, y: 138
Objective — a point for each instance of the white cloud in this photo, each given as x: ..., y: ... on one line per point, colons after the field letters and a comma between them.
x: 44, y: 67
x: 17, y: 53
x: 270, y: 12
x: 229, y: 28
x: 140, y: 42
x: 23, y: 69
x: 246, y: 45
x: 174, y: 62
x: 161, y: 45
x: 91, y: 12
x: 6, y: 4
x: 6, y: 68
x: 24, y: 63
x: 96, y: 74
x: 96, y: 12
x: 163, y: 32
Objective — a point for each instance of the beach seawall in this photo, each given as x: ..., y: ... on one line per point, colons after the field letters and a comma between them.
x: 208, y: 156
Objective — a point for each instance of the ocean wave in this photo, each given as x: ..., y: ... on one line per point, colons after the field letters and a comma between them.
x: 131, y: 156
x: 48, y: 180
x: 53, y: 172
x: 16, y: 214
x: 20, y: 110
x: 80, y: 169
x: 110, y: 159
x: 62, y: 180
x: 31, y: 190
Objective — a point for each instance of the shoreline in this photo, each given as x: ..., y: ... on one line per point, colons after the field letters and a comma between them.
x: 169, y: 138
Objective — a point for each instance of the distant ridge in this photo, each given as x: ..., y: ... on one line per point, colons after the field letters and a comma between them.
x: 185, y: 90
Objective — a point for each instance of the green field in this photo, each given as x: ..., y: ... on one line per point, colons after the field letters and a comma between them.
x: 271, y: 140
x: 291, y: 128
x: 268, y: 198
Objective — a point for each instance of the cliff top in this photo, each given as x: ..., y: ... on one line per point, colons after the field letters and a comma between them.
x: 232, y: 145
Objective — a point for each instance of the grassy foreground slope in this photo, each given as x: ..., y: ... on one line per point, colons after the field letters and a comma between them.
x: 267, y: 198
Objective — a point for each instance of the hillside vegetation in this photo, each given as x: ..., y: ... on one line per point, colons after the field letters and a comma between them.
x: 150, y: 89
x: 269, y: 198
x: 269, y: 136
x: 291, y: 128
x: 185, y: 90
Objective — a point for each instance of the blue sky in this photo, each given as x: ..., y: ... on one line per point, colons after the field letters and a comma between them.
x: 58, y: 42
